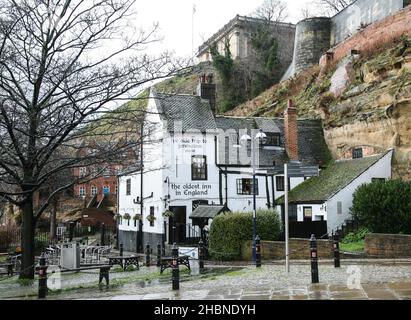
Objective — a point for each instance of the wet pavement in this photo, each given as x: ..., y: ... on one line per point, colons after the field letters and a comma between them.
x: 355, y: 280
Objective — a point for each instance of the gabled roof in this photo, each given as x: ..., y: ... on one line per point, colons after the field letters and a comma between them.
x: 190, y: 110
x: 331, y: 180
x: 207, y: 211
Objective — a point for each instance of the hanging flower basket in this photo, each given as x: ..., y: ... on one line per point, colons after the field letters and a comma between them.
x: 137, y: 217
x: 151, y: 218
x: 127, y: 216
x: 168, y: 214
x: 117, y: 217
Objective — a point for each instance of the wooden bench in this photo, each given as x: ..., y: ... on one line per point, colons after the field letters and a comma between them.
x: 124, y: 261
x: 9, y: 267
x: 167, y: 262
x: 103, y: 274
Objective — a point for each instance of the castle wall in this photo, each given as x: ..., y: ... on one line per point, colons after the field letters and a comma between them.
x: 313, y: 34
x: 349, y: 21
x: 311, y: 40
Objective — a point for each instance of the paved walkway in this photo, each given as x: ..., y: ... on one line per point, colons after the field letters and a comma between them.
x: 387, y: 291
x: 356, y: 279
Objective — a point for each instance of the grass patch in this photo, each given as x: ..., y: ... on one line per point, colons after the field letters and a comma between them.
x: 353, y: 246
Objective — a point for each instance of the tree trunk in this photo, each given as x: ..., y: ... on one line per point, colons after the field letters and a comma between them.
x: 27, y: 240
x: 53, y: 224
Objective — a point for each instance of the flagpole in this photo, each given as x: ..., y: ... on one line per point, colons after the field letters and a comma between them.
x: 192, y: 30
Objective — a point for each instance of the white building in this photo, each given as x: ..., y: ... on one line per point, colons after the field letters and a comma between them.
x: 192, y: 157
x: 329, y: 197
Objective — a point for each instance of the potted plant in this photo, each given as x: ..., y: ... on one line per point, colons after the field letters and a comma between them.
x: 151, y: 218
x: 127, y: 216
x: 137, y: 217
x: 168, y: 214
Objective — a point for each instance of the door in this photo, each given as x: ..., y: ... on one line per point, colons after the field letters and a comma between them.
x: 177, y: 225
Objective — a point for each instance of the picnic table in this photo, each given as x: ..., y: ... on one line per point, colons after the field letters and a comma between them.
x: 124, y: 261
x: 167, y: 262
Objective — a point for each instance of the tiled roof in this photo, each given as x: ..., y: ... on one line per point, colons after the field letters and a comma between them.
x: 331, y: 180
x: 190, y: 110
x: 207, y: 211
x: 311, y: 143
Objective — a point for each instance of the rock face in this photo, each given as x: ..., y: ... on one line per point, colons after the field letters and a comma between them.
x: 364, y: 101
x: 375, y: 112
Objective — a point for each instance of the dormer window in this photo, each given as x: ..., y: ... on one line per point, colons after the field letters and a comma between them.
x: 273, y: 139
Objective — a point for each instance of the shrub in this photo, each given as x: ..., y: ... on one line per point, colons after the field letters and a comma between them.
x: 384, y: 207
x: 356, y: 236
x: 229, y: 230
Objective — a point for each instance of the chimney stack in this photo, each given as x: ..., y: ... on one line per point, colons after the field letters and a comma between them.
x: 291, y: 131
x: 207, y: 90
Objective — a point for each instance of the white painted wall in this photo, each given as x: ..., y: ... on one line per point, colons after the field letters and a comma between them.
x: 382, y: 169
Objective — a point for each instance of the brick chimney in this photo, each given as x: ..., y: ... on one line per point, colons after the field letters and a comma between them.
x: 207, y: 90
x: 291, y: 131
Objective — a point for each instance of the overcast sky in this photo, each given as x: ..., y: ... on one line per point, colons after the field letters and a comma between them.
x: 175, y: 19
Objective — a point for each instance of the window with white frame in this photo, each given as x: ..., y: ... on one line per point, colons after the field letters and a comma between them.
x: 106, y: 190
x: 128, y: 187
x: 94, y: 190
x: 82, y: 172
x: 82, y: 191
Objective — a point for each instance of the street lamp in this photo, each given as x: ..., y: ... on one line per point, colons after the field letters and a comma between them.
x: 260, y: 137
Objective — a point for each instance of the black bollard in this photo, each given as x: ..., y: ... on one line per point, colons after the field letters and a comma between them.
x: 147, y: 254
x: 258, y: 252
x: 121, y: 249
x: 336, y: 239
x: 314, y: 260
x: 103, y: 234
x: 42, y: 278
x: 175, y: 269
x: 71, y: 231
x: 163, y: 250
x: 158, y: 254
x: 201, y: 254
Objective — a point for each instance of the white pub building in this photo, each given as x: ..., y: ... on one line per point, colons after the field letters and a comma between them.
x: 197, y: 165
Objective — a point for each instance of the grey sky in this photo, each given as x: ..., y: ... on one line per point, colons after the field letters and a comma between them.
x: 175, y: 19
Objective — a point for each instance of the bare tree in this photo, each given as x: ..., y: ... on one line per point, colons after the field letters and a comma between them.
x: 63, y: 65
x: 272, y: 10
x: 332, y: 7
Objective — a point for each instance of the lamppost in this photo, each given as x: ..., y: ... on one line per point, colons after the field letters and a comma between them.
x: 260, y: 137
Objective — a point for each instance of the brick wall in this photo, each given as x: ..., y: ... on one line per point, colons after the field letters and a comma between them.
x: 375, y: 35
x: 299, y: 249
x: 291, y: 131
x: 388, y: 245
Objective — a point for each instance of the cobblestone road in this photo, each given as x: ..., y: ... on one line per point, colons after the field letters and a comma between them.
x: 354, y: 280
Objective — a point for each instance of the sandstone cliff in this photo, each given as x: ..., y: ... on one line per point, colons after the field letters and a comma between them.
x: 364, y: 100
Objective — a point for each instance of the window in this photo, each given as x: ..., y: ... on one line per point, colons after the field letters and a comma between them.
x: 339, y: 207
x: 308, y: 214
x: 106, y: 190
x: 357, y: 153
x: 199, y: 168
x: 94, y: 190
x: 128, y: 187
x: 280, y: 183
x: 106, y: 172
x: 82, y: 172
x: 245, y: 186
x: 376, y: 180
x: 273, y: 139
x: 82, y: 191
x: 152, y: 215
x: 292, y: 213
